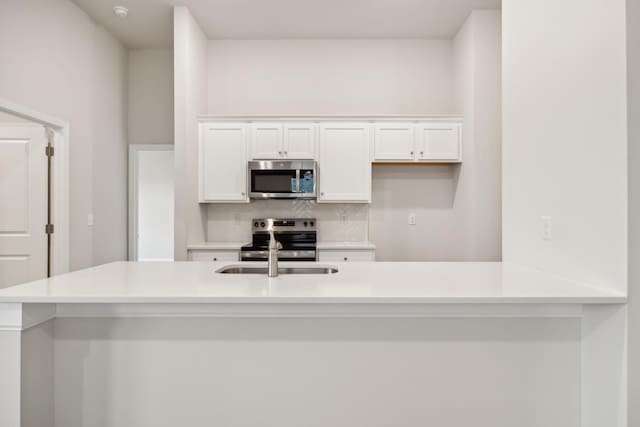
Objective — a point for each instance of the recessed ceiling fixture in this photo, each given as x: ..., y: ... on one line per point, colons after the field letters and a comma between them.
x: 120, y: 11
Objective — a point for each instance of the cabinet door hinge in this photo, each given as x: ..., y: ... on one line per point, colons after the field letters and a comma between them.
x: 48, y: 150
x: 48, y: 229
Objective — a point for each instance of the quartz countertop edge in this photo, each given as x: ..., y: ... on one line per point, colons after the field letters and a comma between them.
x: 355, y: 283
x: 607, y: 299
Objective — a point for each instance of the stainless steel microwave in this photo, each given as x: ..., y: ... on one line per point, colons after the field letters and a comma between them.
x: 282, y: 179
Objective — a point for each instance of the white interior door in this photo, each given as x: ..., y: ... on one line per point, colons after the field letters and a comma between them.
x: 23, y: 204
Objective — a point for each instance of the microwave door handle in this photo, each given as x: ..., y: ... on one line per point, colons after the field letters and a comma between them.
x: 297, y: 180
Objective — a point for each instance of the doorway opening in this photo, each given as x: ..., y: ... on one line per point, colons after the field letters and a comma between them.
x: 151, y: 202
x: 34, y: 192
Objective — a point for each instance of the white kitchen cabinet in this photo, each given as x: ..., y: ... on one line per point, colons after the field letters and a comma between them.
x: 213, y: 255
x: 299, y: 140
x: 223, y: 162
x: 394, y: 141
x: 355, y: 255
x: 276, y: 140
x: 344, y: 163
x: 439, y: 142
x: 266, y: 141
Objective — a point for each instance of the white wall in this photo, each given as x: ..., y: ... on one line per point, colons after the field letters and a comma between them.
x: 155, y: 205
x: 330, y: 77
x: 633, y: 91
x: 190, y: 91
x: 565, y: 138
x: 150, y: 106
x: 109, y: 150
x: 457, y: 207
x: 53, y: 60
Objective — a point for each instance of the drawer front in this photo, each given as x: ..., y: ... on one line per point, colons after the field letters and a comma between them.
x: 348, y: 256
x: 214, y: 255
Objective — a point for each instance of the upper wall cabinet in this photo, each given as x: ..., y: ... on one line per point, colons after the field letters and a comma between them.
x: 266, y: 141
x: 300, y: 140
x: 344, y: 151
x: 273, y: 140
x: 223, y: 162
x: 437, y: 141
x: 394, y: 141
x: 344, y: 162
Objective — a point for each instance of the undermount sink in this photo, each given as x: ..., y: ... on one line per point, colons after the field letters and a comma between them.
x: 242, y: 269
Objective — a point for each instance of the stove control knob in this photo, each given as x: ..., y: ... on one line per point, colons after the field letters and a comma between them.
x: 255, y: 224
x: 262, y: 224
x: 305, y: 223
x: 311, y: 223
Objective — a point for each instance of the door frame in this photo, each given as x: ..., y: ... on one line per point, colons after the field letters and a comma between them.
x: 134, y: 150
x: 59, y: 176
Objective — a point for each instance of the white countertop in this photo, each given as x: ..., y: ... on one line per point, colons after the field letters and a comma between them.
x: 363, y: 282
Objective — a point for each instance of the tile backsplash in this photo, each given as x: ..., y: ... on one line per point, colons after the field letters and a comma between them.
x: 335, y: 222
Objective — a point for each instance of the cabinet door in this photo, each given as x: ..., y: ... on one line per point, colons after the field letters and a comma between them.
x: 394, y: 141
x: 344, y: 162
x: 266, y: 141
x: 346, y: 256
x: 206, y: 255
x: 439, y: 142
x: 299, y: 140
x: 223, y: 162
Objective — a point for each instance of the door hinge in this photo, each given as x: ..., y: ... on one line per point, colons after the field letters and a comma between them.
x: 48, y: 150
x: 48, y: 229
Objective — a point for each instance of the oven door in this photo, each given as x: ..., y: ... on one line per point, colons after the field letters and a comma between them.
x: 279, y: 179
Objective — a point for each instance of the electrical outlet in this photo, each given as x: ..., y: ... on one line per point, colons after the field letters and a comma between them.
x: 546, y: 227
x: 412, y: 219
x: 343, y: 217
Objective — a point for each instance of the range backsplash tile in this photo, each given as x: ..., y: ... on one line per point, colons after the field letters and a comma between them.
x: 336, y: 222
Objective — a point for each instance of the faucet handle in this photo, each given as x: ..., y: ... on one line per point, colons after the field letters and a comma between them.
x: 272, y: 240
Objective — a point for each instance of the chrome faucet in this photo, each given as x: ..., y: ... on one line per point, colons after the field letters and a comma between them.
x: 274, y: 247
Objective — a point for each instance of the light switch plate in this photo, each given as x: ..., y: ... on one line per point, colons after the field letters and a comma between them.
x: 90, y: 220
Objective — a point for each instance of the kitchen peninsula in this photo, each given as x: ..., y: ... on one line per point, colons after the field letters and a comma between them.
x: 152, y: 343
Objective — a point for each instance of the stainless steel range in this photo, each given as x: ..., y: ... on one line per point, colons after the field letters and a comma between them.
x: 297, y: 236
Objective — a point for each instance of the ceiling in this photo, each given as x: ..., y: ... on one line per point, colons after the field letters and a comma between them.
x: 149, y: 23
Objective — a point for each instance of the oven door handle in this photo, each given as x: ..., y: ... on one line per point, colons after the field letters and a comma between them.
x: 297, y: 180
